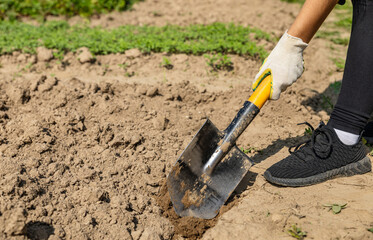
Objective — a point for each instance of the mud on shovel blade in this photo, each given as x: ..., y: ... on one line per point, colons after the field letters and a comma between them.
x: 211, y: 167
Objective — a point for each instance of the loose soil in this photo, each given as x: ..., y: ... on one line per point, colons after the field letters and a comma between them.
x: 86, y: 147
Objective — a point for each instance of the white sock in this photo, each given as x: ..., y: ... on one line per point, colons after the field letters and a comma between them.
x: 346, y: 137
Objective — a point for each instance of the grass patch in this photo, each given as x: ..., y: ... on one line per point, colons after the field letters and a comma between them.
x: 333, y: 36
x: 326, y: 102
x: 219, y: 62
x: 193, y: 39
x: 166, y: 63
x: 339, y: 63
x: 249, y: 150
x: 340, y: 41
x: 344, y: 14
x: 336, y: 86
x: 345, y: 22
x: 37, y: 8
x: 296, y: 232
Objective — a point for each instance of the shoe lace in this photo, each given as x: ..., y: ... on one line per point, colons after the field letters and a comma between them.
x: 317, y: 146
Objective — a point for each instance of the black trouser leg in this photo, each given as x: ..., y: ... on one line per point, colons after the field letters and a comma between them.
x: 355, y: 101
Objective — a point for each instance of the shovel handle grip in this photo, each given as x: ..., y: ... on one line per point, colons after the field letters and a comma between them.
x: 262, y: 92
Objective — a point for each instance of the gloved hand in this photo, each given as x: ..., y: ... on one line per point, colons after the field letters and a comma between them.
x: 285, y: 64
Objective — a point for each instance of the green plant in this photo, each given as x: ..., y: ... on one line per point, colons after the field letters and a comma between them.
x: 166, y: 63
x: 339, y: 63
x: 37, y: 8
x: 105, y: 69
x: 58, y: 55
x: 336, y: 86
x: 327, y: 34
x: 130, y: 74
x: 326, y: 102
x: 156, y: 14
x: 296, y: 232
x: 17, y: 74
x: 336, y: 208
x: 344, y: 14
x: 249, y: 150
x: 219, y: 62
x: 345, y: 22
x: 370, y: 230
x: 340, y: 41
x: 124, y: 66
x: 308, y: 131
x: 27, y: 67
x: 334, y: 36
x: 194, y: 39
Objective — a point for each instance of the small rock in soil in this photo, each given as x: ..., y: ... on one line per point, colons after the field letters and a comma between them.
x: 141, y: 90
x: 21, y: 58
x: 136, y: 139
x: 133, y: 53
x: 160, y: 123
x: 16, y: 223
x: 84, y: 55
x: 151, y: 92
x: 18, y: 95
x: 277, y: 218
x: 48, y: 85
x: 148, y: 234
x: 44, y: 54
x: 169, y: 97
x: 136, y: 234
x: 32, y: 59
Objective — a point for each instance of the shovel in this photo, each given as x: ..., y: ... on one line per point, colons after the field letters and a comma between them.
x: 211, y: 167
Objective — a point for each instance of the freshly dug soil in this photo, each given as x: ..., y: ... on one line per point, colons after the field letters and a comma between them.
x: 187, y: 227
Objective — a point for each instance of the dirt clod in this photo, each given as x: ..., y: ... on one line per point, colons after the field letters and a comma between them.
x: 44, y: 54
x: 16, y: 222
x: 151, y: 92
x: 133, y: 53
x: 187, y: 227
x: 84, y: 55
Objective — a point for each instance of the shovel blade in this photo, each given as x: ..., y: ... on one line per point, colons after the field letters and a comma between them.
x: 196, y: 194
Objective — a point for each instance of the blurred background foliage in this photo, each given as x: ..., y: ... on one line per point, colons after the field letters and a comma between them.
x: 12, y: 9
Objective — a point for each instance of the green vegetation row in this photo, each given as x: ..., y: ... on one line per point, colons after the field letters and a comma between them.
x: 40, y: 8
x: 193, y: 39
x: 344, y: 13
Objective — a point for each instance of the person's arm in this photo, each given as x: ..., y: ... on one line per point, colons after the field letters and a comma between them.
x: 310, y: 18
x: 285, y: 63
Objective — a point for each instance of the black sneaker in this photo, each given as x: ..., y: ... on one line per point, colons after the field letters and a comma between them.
x: 321, y: 158
x: 368, y: 133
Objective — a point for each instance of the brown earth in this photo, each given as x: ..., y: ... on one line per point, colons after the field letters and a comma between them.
x: 86, y: 145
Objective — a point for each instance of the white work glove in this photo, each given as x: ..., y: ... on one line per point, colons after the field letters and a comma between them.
x: 285, y: 64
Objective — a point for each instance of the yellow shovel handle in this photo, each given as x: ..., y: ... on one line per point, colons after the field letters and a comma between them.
x: 262, y: 92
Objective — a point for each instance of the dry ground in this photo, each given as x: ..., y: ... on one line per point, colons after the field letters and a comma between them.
x: 85, y: 149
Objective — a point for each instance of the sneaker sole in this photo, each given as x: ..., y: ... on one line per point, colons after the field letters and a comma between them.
x: 360, y: 167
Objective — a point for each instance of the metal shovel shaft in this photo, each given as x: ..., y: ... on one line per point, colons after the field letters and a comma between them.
x: 233, y: 131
